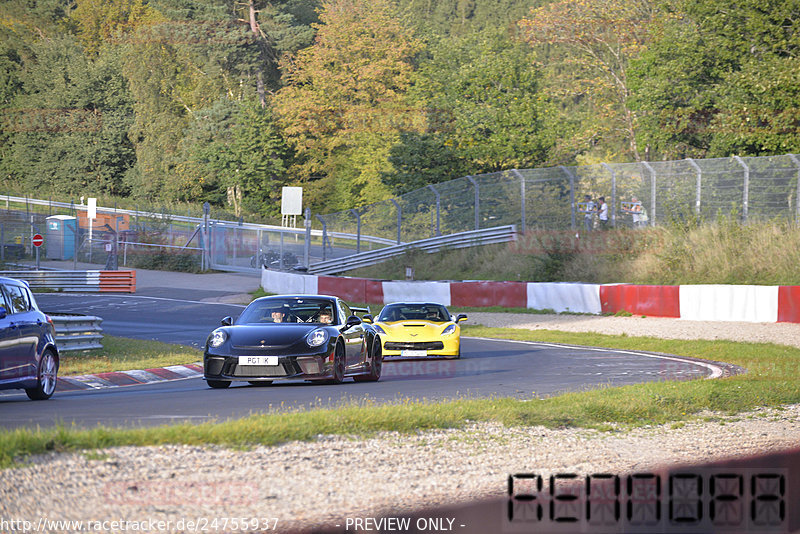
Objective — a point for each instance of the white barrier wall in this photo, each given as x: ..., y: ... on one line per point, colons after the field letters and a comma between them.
x: 562, y: 297
x: 759, y: 304
x: 288, y: 283
x: 755, y: 304
x: 438, y: 292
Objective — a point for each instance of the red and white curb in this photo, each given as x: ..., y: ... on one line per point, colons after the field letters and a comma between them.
x: 128, y: 378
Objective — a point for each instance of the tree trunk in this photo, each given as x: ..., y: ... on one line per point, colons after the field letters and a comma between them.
x: 262, y: 92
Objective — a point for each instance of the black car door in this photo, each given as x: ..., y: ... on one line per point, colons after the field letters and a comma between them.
x: 353, y: 338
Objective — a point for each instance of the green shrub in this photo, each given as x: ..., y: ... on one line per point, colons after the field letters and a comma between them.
x: 167, y: 261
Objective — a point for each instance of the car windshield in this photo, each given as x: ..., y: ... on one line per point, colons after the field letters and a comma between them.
x: 288, y: 310
x: 414, y: 312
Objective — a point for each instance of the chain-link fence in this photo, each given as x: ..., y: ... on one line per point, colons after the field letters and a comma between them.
x: 113, y: 238
x: 757, y: 188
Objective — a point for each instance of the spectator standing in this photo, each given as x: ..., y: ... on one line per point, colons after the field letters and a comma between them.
x: 636, y: 212
x: 602, y: 213
x: 588, y: 215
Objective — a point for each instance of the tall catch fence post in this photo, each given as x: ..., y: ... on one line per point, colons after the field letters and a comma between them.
x: 797, y: 193
x: 358, y: 230
x: 324, y: 236
x: 697, y: 168
x: 571, y: 177
x: 522, y: 199
x: 477, y: 203
x: 652, y: 192
x: 399, y: 218
x: 438, y: 208
x: 307, y: 247
x: 745, y: 188
x: 613, y: 193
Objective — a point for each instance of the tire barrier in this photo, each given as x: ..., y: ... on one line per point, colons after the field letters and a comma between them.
x: 746, y: 303
x: 77, y: 332
x: 79, y: 281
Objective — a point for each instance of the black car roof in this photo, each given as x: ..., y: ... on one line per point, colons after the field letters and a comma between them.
x: 324, y: 297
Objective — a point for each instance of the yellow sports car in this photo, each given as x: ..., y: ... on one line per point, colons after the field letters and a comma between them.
x: 419, y: 330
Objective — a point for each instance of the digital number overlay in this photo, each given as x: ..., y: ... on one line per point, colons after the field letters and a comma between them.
x: 707, y: 500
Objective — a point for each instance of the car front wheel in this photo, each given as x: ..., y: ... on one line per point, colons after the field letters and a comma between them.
x: 338, y: 365
x: 47, y: 377
x: 218, y: 384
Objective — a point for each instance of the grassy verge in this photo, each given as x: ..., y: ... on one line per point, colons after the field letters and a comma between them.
x: 773, y: 379
x: 678, y: 253
x: 123, y: 354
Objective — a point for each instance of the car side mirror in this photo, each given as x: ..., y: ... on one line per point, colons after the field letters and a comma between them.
x: 3, y: 312
x: 227, y: 321
x: 351, y: 322
x: 367, y: 318
x: 461, y: 317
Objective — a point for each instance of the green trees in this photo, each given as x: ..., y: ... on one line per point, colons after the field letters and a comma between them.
x: 721, y: 78
x: 68, y: 124
x: 483, y: 111
x: 344, y: 103
x: 589, y: 46
x: 228, y: 100
x: 233, y: 153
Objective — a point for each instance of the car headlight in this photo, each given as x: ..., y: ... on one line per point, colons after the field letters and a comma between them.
x: 317, y: 338
x: 217, y: 338
x: 379, y: 329
x: 449, y: 330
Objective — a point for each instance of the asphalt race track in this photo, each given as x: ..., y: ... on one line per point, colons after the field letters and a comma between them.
x: 487, y: 368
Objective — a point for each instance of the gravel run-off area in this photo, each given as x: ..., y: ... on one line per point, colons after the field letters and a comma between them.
x: 304, y: 485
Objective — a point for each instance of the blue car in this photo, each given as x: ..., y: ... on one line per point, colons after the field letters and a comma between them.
x: 28, y: 353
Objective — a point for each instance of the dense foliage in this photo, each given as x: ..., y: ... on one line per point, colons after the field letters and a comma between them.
x: 227, y: 101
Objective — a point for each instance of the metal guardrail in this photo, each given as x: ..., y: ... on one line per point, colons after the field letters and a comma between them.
x: 500, y: 234
x: 77, y: 332
x: 81, y: 281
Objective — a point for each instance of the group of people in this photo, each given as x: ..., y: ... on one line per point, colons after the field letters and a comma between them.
x: 324, y: 316
x: 600, y: 208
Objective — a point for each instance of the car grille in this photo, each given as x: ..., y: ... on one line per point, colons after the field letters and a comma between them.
x: 413, y: 345
x: 258, y: 370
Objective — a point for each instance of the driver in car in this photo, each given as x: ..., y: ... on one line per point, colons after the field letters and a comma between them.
x: 325, y: 316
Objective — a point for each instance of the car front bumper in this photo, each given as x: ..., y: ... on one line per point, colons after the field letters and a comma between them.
x: 437, y: 348
x: 303, y: 367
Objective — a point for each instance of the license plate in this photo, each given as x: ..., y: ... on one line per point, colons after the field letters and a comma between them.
x: 258, y: 360
x: 413, y: 353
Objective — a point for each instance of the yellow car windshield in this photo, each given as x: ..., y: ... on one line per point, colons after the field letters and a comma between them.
x: 414, y: 312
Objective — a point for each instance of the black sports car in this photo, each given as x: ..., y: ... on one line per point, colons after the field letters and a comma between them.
x: 307, y: 337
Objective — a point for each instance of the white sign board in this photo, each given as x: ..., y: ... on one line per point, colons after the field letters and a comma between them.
x: 92, y: 208
x: 292, y: 201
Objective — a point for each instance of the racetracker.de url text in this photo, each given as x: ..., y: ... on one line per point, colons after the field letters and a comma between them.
x: 196, y: 524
